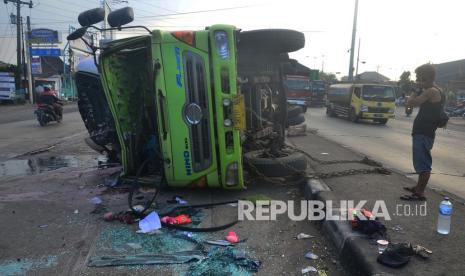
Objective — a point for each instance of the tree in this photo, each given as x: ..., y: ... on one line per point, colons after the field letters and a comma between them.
x: 328, y: 77
x: 406, y: 85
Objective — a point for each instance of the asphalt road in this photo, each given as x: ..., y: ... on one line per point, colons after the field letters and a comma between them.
x: 391, y: 145
x: 14, y: 113
x: 19, y: 136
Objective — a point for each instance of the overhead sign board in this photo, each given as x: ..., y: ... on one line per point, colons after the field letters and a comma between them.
x: 43, y: 36
x: 46, y: 52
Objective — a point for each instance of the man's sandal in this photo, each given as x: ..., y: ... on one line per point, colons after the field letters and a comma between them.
x: 413, y: 197
x: 410, y: 189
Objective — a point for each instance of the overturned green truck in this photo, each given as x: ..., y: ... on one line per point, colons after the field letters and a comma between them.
x: 191, y: 108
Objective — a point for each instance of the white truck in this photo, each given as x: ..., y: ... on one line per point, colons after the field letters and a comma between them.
x: 7, y: 86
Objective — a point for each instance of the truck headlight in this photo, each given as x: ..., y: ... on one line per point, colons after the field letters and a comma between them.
x: 232, y: 174
x: 392, y: 110
x: 227, y: 122
x: 364, y: 108
x: 226, y: 102
x: 221, y: 39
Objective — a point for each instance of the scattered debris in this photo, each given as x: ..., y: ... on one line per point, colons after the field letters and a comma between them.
x: 310, y: 255
x: 150, y: 223
x: 96, y: 200
x: 224, y: 261
x: 178, y: 220
x: 123, y: 217
x: 309, y: 269
x: 219, y: 242
x: 76, y: 211
x: 397, y: 228
x: 147, y: 259
x: 303, y: 236
x: 177, y: 199
x: 138, y: 208
x: 324, y: 153
x: 382, y: 245
x: 232, y: 237
x: 188, y: 234
x: 43, y: 226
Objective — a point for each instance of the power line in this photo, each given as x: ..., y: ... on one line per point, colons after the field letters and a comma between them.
x: 201, y: 11
x: 158, y: 7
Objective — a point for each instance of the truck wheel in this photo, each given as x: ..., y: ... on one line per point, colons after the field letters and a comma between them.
x: 352, y: 116
x: 297, y: 120
x: 271, y: 40
x: 330, y: 112
x: 293, y: 111
x: 290, y: 163
x: 381, y: 121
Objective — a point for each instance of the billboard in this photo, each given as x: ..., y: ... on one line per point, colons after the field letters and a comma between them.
x: 36, y: 65
x: 37, y: 36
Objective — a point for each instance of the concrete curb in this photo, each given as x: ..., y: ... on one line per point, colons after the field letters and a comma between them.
x: 346, y: 242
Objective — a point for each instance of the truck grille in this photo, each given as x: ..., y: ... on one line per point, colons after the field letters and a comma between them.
x: 196, y: 92
x: 378, y: 109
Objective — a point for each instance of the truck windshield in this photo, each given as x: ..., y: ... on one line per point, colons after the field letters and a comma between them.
x: 297, y: 84
x: 319, y: 85
x: 378, y: 93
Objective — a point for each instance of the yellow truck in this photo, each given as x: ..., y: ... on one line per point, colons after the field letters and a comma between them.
x: 356, y: 101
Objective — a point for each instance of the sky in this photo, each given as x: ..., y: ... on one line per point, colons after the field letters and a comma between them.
x: 395, y: 35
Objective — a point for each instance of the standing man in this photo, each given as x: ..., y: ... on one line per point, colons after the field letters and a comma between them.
x: 430, y: 100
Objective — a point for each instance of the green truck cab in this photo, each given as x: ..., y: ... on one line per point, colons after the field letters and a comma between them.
x: 192, y: 107
x: 357, y: 101
x: 186, y: 93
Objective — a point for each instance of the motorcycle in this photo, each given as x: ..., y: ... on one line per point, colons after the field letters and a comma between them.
x: 408, y: 111
x: 45, y: 114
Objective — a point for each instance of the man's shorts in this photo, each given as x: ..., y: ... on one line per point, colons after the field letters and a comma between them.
x: 422, y: 146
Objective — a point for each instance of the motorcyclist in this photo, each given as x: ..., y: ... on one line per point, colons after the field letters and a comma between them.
x: 49, y: 97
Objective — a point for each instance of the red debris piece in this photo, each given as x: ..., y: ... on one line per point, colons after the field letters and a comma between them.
x: 232, y: 237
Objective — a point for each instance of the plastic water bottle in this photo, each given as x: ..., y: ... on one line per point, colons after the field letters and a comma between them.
x: 444, y: 218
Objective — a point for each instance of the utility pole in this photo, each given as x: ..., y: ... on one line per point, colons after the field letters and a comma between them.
x: 29, y: 65
x: 358, y: 58
x: 354, y: 30
x: 18, y: 37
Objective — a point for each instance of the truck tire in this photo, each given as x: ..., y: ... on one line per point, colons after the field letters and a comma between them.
x: 294, y: 110
x: 352, y: 116
x: 291, y: 163
x: 330, y: 112
x: 297, y: 120
x: 271, y: 40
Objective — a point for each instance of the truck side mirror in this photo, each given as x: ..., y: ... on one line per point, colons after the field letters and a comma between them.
x: 91, y: 17
x: 77, y: 34
x: 120, y: 17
